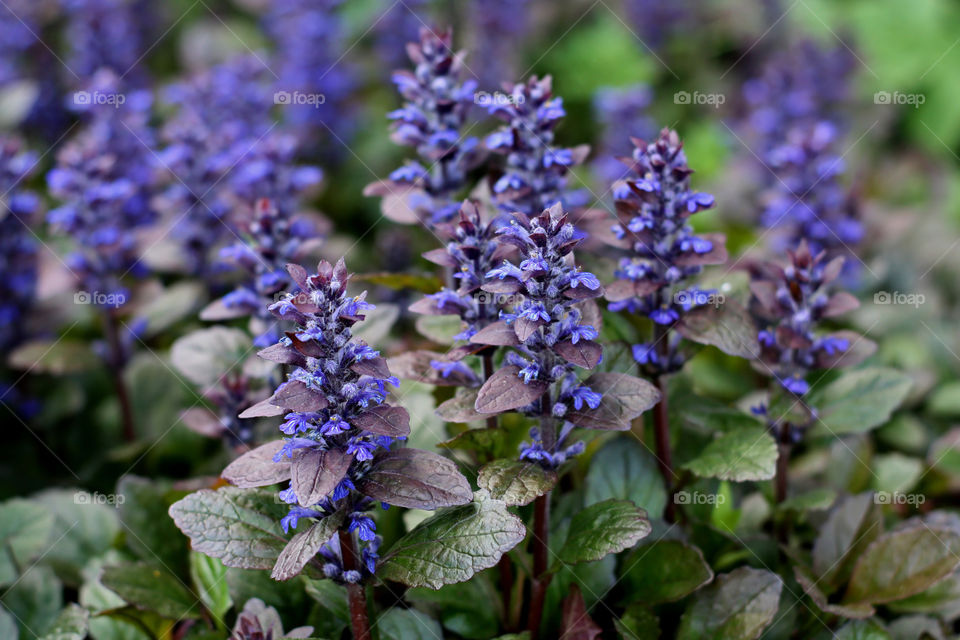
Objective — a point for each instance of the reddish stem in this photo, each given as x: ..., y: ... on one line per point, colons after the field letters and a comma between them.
x: 359, y: 619
x: 117, y: 364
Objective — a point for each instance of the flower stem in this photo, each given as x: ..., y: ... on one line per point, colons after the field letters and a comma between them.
x: 359, y: 618
x: 117, y: 364
x: 487, y: 361
x: 661, y: 422
x: 541, y: 528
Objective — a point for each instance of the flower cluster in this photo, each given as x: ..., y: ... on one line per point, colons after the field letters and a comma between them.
x: 431, y: 120
x: 106, y: 178
x: 808, y: 202
x: 792, y: 301
x: 551, y: 334
x: 336, y: 385
x: 622, y: 113
x: 654, y: 206
x: 103, y: 34
x: 18, y: 23
x: 534, y: 177
x: 220, y: 116
x: 308, y: 40
x: 18, y: 249
x: 271, y: 240
x: 470, y: 253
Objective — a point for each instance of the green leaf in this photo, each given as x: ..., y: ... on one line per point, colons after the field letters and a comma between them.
x: 239, y: 526
x: 625, y: 470
x: 454, y: 544
x: 97, y: 598
x: 151, y: 588
x: 8, y: 625
x: 71, y: 624
x: 56, y: 357
x: 603, y: 528
x: 25, y: 530
x: 35, y: 600
x: 407, y: 624
x: 84, y: 527
x: 455, y: 606
x: 813, y: 500
x: 862, y: 630
x: 209, y: 578
x: 944, y: 401
x: 625, y: 397
x: 738, y: 606
x: 335, y: 610
x: 205, y: 355
x: 176, y: 302
x: 903, y: 563
x: 638, y: 623
x: 937, y: 599
x: 377, y: 324
x: 515, y: 482
x: 741, y: 455
x: 853, y: 524
x: 727, y: 327
x: 859, y: 401
x: 440, y: 329
x: 664, y: 571
x: 149, y: 531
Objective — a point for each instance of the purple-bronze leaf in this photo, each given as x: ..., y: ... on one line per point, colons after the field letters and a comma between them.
x: 416, y: 365
x: 296, y: 396
x: 498, y: 334
x: 281, y: 354
x: 256, y: 468
x: 526, y: 327
x: 263, y: 409
x: 304, y: 546
x: 505, y: 390
x: 375, y: 367
x: 586, y: 353
x: 415, y: 479
x: 316, y: 474
x: 202, y: 421
x: 840, y: 303
x: 385, y: 420
x: 505, y: 286
x: 624, y: 397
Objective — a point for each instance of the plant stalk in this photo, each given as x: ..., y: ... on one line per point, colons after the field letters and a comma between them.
x: 359, y: 618
x: 117, y: 365
x: 661, y: 422
x: 541, y: 528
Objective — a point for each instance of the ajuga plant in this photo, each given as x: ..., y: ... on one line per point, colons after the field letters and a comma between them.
x: 791, y: 302
x: 535, y: 170
x: 432, y: 120
x: 18, y: 246
x: 340, y: 457
x: 551, y: 330
x: 103, y: 34
x: 219, y: 120
x: 654, y: 205
x: 105, y: 178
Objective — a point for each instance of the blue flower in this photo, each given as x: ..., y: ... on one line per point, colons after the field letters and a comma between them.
x: 664, y: 316
x: 334, y: 425
x: 586, y: 395
x: 582, y: 332
x: 645, y: 353
x: 363, y: 525
x: 588, y: 280
x: 536, y: 312
x: 795, y: 385
x: 291, y: 520
x: 504, y: 271
x: 296, y: 422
